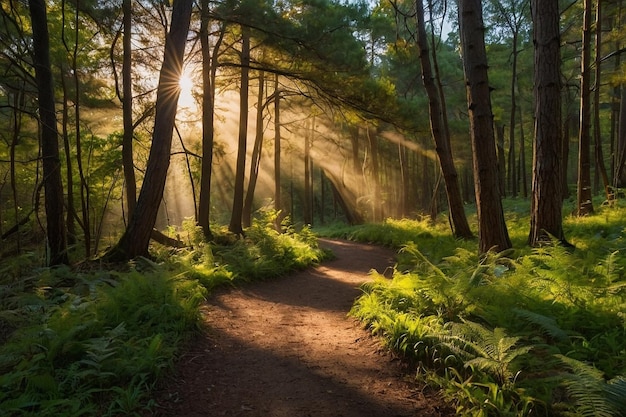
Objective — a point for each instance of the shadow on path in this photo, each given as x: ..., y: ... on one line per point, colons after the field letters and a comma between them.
x: 285, y: 348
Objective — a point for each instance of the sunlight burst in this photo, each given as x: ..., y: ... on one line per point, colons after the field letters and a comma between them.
x: 185, y: 83
x: 186, y: 99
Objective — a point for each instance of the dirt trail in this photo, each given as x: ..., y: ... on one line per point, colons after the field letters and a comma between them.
x: 285, y: 348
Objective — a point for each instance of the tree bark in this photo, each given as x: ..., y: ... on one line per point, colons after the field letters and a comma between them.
x: 460, y: 226
x: 617, y: 20
x: 135, y: 240
x: 512, y: 122
x: 584, y: 203
x: 546, y: 190
x: 512, y: 14
x: 235, y: 225
x: 53, y: 184
x: 308, y: 192
x: 209, y: 71
x: 277, y: 154
x: 85, y: 221
x: 255, y: 159
x: 85, y: 196
x: 67, y: 148
x: 128, y: 161
x: 597, y: 134
x: 492, y: 231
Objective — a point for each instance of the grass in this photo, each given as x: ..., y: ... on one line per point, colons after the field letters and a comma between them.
x: 533, y: 331
x: 93, y: 340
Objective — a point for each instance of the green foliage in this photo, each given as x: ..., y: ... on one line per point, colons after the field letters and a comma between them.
x: 266, y: 253
x: 504, y: 335
x: 489, y: 350
x: 432, y: 239
x: 593, y: 395
x: 95, y: 342
x: 477, y: 395
x: 92, y: 342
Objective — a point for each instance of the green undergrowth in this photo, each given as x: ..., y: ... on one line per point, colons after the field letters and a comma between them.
x: 526, y: 332
x: 395, y: 233
x: 93, y: 340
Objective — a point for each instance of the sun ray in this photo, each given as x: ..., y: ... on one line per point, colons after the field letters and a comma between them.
x: 187, y: 100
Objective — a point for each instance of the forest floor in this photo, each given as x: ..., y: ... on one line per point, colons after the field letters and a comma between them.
x: 286, y: 348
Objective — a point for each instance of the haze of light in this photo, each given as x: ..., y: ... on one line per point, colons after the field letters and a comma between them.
x: 187, y: 101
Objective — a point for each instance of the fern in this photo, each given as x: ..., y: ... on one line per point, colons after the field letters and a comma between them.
x: 491, y: 351
x: 411, y: 248
x: 592, y: 395
x: 612, y: 272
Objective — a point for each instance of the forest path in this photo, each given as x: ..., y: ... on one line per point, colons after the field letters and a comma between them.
x: 285, y: 348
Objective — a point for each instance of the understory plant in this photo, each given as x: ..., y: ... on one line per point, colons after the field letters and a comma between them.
x: 88, y: 348
x: 539, y: 331
x: 94, y: 339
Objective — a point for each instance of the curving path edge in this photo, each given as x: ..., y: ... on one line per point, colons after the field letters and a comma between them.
x: 286, y: 348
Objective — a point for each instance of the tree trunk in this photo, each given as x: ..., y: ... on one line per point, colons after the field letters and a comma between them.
x: 67, y: 147
x: 546, y: 191
x: 209, y: 71
x: 308, y: 193
x: 617, y: 20
x: 584, y: 198
x: 277, y: 162
x: 84, y: 185
x: 53, y: 184
x: 135, y: 240
x: 128, y: 161
x: 511, y: 169
x: 597, y: 131
x: 492, y: 231
x: 85, y: 222
x: 235, y: 225
x: 460, y: 226
x: 255, y: 159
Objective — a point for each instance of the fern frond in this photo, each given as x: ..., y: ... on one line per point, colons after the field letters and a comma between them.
x: 591, y: 394
x: 411, y: 249
x: 488, y: 350
x: 490, y: 264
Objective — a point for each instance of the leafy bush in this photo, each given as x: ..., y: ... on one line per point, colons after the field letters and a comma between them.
x: 510, y: 336
x: 94, y: 341
x: 88, y: 341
